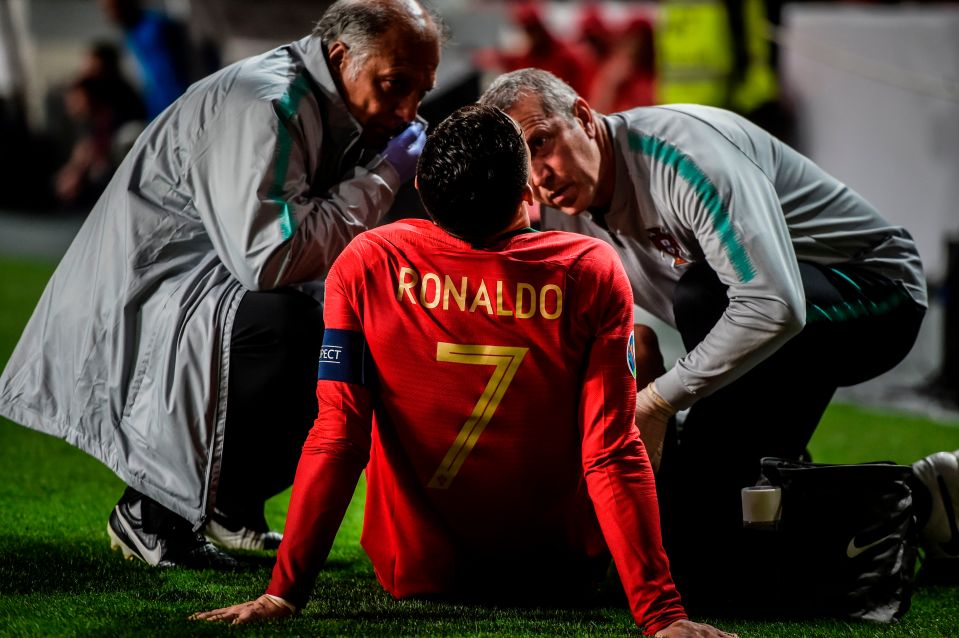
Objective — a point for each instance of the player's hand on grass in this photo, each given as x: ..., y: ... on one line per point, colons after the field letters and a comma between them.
x: 690, y: 629
x: 263, y: 608
x: 652, y: 416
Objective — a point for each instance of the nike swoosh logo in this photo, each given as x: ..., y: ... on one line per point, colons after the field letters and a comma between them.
x: 151, y: 555
x: 853, y: 549
x: 952, y: 545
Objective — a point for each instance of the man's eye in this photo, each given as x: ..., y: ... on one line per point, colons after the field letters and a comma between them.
x: 537, y: 143
x: 395, y: 85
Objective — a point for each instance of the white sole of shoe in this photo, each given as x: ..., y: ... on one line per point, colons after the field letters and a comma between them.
x: 117, y: 544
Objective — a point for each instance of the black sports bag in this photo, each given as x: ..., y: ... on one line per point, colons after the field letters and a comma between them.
x: 846, y: 542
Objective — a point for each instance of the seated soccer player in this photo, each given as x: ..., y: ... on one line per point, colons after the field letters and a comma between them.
x: 482, y: 373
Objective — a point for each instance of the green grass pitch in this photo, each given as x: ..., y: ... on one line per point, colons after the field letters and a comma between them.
x: 58, y: 576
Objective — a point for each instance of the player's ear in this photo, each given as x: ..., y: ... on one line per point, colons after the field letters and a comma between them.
x: 584, y: 115
x: 528, y: 195
x: 416, y: 182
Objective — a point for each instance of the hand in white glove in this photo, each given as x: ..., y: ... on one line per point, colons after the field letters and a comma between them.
x: 403, y: 151
x: 652, y: 415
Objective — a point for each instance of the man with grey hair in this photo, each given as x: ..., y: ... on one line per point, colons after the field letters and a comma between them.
x: 783, y: 282
x: 177, y: 342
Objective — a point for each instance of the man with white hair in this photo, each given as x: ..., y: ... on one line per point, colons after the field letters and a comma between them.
x: 177, y: 341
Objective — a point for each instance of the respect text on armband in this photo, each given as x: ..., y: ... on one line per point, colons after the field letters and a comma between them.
x: 345, y: 357
x: 477, y: 294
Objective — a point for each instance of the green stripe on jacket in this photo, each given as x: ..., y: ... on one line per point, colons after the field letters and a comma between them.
x: 286, y: 108
x: 670, y: 156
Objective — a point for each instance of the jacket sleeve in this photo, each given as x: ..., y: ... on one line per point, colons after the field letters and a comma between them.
x: 733, y: 210
x: 251, y: 180
x: 335, y: 453
x: 618, y: 474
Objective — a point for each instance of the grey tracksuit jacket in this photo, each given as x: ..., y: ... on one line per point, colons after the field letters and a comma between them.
x: 696, y: 183
x: 247, y: 182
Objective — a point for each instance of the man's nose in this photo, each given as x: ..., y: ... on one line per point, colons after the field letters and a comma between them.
x: 540, y: 174
x: 406, y: 109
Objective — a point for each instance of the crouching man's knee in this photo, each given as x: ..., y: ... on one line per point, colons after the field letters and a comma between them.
x: 649, y: 358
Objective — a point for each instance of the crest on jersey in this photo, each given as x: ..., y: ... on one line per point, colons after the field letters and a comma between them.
x: 667, y: 244
x: 631, y: 354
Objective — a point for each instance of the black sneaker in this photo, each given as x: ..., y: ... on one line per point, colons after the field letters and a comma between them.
x: 142, y: 529
x: 234, y: 532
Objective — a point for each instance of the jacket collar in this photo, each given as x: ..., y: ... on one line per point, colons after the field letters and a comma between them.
x: 623, y: 211
x: 312, y: 55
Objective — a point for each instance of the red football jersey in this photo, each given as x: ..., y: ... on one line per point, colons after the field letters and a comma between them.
x: 497, y: 420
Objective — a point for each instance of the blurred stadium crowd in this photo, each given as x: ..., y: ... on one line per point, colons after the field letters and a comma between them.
x: 73, y: 117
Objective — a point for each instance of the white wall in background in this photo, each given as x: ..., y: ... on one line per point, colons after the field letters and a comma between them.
x: 877, y: 96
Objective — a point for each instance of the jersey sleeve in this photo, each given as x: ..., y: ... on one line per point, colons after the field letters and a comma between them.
x: 733, y: 209
x: 618, y: 474
x: 335, y: 453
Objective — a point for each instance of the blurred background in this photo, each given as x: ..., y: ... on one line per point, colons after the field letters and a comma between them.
x: 868, y: 90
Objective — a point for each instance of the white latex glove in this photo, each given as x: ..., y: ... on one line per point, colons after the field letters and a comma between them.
x: 652, y: 415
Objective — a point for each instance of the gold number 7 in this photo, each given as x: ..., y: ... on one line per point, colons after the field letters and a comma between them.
x: 507, y: 360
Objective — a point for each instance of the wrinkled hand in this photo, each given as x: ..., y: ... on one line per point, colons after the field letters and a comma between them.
x: 403, y: 151
x: 690, y: 629
x: 263, y: 608
x: 652, y: 416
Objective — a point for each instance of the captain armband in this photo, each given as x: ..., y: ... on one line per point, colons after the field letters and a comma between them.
x: 345, y: 356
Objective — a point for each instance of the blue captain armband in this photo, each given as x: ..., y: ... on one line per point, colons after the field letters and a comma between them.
x: 345, y: 357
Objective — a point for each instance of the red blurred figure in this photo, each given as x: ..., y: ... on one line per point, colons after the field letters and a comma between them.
x: 594, y: 43
x: 627, y: 78
x: 596, y: 38
x: 543, y: 50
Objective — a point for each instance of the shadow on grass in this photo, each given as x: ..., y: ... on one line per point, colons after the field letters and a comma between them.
x: 30, y: 566
x: 39, y: 566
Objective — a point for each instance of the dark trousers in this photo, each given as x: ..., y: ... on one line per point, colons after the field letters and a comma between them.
x: 271, y: 406
x: 859, y: 325
x: 271, y: 403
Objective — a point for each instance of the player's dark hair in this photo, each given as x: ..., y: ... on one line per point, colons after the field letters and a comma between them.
x: 473, y: 171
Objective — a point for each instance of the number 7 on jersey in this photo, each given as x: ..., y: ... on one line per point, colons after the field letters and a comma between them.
x: 507, y: 360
